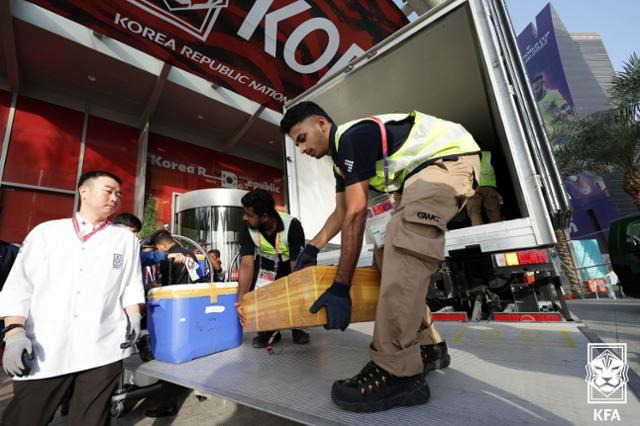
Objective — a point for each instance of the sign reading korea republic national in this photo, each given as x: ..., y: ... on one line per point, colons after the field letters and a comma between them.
x: 266, y: 50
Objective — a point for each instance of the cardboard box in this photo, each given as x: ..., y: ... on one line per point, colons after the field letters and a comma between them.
x: 285, y: 303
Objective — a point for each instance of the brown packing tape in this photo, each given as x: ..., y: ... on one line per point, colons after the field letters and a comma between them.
x: 185, y: 291
x: 286, y: 285
x: 316, y: 294
x: 257, y: 316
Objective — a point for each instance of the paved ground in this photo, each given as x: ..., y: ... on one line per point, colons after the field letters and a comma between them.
x: 612, y: 320
x: 501, y: 374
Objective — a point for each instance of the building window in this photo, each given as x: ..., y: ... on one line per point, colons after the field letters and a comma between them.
x: 44, y: 147
x: 5, y: 105
x: 22, y: 209
x: 113, y: 147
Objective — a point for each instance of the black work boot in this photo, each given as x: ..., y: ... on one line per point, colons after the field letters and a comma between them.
x: 300, y: 337
x: 435, y: 356
x: 262, y: 339
x: 374, y: 389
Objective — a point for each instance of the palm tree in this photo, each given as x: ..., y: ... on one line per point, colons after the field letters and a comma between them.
x: 600, y: 143
x: 608, y: 140
x: 149, y: 219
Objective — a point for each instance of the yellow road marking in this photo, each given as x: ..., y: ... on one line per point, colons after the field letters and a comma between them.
x: 530, y: 335
x: 459, y: 335
x: 568, y: 339
x: 523, y: 338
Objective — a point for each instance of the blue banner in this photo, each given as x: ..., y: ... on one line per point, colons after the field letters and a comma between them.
x: 592, y: 207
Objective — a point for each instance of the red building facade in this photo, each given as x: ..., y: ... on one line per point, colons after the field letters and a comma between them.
x: 50, y: 145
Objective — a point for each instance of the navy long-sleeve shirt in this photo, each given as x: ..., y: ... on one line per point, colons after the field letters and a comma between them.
x: 149, y: 258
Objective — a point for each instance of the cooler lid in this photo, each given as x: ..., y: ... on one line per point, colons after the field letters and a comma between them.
x: 179, y: 291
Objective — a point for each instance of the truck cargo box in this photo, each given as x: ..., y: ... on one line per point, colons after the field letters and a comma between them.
x: 453, y: 65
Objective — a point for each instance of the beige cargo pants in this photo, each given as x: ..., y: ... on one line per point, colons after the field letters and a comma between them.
x: 486, y: 198
x: 413, y: 249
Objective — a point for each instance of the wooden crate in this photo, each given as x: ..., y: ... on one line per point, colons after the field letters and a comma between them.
x: 285, y: 303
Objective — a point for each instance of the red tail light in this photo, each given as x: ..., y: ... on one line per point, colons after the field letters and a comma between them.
x: 531, y: 257
x: 517, y: 258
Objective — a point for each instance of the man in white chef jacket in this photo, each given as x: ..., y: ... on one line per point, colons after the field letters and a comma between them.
x: 71, y: 306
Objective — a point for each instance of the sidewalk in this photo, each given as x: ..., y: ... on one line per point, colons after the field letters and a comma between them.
x: 614, y: 321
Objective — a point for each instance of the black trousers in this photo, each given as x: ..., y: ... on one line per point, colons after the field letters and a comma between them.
x: 35, y: 402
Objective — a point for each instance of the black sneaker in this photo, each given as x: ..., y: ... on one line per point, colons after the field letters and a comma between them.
x: 435, y: 356
x: 374, y: 389
x: 144, y: 348
x: 262, y: 339
x: 300, y: 337
x: 164, y: 411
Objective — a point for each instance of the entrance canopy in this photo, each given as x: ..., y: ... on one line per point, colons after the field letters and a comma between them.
x: 268, y: 51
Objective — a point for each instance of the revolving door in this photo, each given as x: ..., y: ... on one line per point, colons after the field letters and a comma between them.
x: 215, y: 217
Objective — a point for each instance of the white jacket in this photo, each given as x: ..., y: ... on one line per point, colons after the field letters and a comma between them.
x: 73, y: 295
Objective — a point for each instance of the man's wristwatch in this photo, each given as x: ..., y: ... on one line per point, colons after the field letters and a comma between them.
x: 9, y: 328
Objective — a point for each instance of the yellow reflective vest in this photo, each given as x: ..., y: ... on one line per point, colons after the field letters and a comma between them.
x: 430, y: 138
x: 487, y: 174
x: 265, y: 249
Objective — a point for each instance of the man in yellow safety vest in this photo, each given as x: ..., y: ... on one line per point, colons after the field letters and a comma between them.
x: 269, y: 246
x: 487, y: 197
x: 433, y: 164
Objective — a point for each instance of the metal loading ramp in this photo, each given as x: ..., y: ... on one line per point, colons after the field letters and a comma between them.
x: 501, y: 373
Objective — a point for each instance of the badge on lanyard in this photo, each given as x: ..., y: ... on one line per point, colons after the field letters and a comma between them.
x: 192, y: 268
x: 266, y: 277
x: 379, y: 214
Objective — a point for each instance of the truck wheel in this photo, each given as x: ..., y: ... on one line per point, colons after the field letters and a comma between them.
x: 116, y: 409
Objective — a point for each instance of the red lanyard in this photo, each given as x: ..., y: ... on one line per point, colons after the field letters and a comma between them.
x: 84, y: 238
x: 385, y: 148
x: 276, y: 258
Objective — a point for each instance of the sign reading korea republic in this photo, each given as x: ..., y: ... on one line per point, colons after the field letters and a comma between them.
x: 266, y: 50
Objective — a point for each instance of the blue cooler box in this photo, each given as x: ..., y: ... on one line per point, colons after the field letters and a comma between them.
x: 188, y: 321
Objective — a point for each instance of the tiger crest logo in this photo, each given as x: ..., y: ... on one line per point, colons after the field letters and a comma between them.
x: 607, y: 373
x: 195, y: 17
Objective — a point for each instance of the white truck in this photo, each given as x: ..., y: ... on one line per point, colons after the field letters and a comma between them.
x: 459, y: 62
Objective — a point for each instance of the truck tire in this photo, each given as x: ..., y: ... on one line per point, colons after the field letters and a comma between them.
x: 627, y: 280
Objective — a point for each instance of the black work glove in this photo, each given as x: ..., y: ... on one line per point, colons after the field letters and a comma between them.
x: 307, y: 257
x: 338, y: 303
x: 133, y: 330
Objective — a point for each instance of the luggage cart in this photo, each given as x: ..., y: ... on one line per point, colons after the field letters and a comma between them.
x: 132, y: 384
